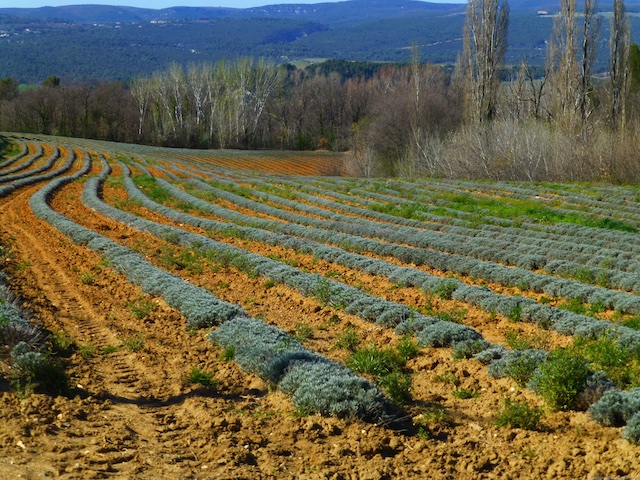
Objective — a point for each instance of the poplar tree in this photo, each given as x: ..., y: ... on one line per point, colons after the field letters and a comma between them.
x: 485, y: 43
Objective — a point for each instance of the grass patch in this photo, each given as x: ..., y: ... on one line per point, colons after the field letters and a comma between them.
x: 141, y: 308
x: 517, y: 340
x: 134, y: 344
x: 386, y: 366
x: 348, y: 340
x: 464, y: 394
x: 518, y: 415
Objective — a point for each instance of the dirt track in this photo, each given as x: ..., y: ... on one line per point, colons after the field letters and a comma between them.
x: 131, y: 414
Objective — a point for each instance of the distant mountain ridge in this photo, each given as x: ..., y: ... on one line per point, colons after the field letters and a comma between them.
x: 115, y: 42
x: 351, y: 11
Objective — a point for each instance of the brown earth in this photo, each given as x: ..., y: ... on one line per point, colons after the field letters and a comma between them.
x: 131, y: 414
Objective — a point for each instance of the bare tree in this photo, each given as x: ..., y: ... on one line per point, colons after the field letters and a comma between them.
x: 571, y: 75
x: 141, y: 91
x: 619, y: 46
x: 485, y: 43
x: 589, y: 43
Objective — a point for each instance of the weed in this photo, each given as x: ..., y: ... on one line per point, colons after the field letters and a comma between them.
x: 109, y: 349
x: 197, y: 376
x: 141, y: 308
x: 375, y: 361
x: 228, y: 354
x: 20, y: 266
x: 134, y: 344
x: 516, y: 414
x: 561, y: 378
x: 445, y: 288
x: 632, y: 322
x: 455, y: 315
x: 348, y: 340
x: 397, y: 386
x: 323, y: 291
x: 88, y: 278
x: 446, y: 377
x: 62, y: 343
x: 606, y: 354
x: 31, y: 370
x: 407, y: 348
x: 515, y: 314
x: 434, y: 415
x: 529, y: 453
x: 269, y: 284
x: 303, y: 333
x: 87, y: 351
x: 517, y: 340
x: 464, y: 394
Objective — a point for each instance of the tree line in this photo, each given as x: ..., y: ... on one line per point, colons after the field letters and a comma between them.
x: 481, y: 119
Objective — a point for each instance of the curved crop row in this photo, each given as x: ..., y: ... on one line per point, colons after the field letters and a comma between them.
x: 353, y: 239
x: 563, y: 321
x: 346, y: 395
x: 30, y: 180
x: 24, y: 150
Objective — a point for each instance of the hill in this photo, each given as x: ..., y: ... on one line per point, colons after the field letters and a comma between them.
x: 96, y: 41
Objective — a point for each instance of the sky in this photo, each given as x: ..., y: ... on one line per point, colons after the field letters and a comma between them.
x: 163, y: 3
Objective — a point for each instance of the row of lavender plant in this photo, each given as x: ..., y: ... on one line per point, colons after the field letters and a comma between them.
x: 268, y: 351
x: 436, y: 332
x: 356, y: 230
x: 556, y: 255
x: 25, y: 164
x: 501, y: 362
x: 24, y: 150
x: 562, y: 320
x: 30, y: 180
x: 415, y: 192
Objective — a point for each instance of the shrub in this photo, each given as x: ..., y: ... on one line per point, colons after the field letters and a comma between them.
x: 632, y: 431
x: 615, y: 408
x: 561, y: 378
x: 32, y: 369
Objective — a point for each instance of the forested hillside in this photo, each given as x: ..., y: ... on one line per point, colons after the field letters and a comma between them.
x: 114, y: 43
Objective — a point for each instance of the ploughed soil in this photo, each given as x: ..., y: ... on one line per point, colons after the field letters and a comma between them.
x: 132, y: 413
